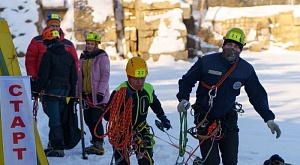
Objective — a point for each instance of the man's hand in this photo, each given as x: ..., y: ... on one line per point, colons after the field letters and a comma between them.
x: 274, y: 128
x: 183, y: 106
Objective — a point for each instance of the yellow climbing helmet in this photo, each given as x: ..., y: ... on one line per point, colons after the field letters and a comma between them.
x: 136, y: 67
x: 237, y: 35
x: 93, y: 36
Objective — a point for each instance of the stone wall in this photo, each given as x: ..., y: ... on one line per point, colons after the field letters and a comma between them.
x: 141, y: 28
x: 280, y: 28
x: 242, y: 3
x: 84, y: 23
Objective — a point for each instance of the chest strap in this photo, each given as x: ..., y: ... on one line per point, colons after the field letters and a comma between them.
x: 220, y: 82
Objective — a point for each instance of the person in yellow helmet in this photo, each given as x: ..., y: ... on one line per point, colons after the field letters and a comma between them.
x: 143, y: 96
x: 93, y: 85
x: 221, y: 77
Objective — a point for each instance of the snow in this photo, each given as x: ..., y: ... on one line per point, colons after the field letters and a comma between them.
x: 153, y: 1
x: 47, y: 3
x: 100, y: 11
x: 218, y: 13
x: 277, y: 69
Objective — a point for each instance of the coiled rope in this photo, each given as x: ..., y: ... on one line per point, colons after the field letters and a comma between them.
x: 119, y: 125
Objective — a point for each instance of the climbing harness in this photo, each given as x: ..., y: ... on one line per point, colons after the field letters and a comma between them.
x: 214, y: 129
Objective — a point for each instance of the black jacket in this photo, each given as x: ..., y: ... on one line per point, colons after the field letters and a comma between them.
x: 57, y: 70
x: 142, y: 100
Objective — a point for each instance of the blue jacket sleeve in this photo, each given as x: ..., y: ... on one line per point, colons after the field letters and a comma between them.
x: 258, y: 97
x: 188, y: 81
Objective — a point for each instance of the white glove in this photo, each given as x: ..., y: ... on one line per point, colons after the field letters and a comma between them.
x: 183, y: 106
x: 274, y: 128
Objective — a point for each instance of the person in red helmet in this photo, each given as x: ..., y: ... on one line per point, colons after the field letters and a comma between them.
x: 36, y: 47
x: 57, y: 76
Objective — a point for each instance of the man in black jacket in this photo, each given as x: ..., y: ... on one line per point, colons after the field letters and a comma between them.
x: 57, y: 76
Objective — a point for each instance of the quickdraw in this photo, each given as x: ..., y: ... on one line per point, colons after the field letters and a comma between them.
x: 182, y: 138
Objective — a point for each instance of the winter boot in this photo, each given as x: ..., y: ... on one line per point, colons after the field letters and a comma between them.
x: 51, y: 152
x: 95, y: 148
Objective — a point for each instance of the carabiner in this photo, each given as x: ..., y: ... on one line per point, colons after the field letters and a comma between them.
x: 211, y: 97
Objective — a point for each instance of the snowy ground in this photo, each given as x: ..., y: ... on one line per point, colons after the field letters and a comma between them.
x: 278, y: 71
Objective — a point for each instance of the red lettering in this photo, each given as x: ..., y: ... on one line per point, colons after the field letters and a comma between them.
x: 11, y: 90
x: 17, y: 136
x: 16, y: 104
x: 17, y: 122
x: 19, y: 151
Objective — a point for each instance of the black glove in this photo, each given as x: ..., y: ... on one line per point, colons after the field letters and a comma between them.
x: 166, y: 122
x: 99, y: 97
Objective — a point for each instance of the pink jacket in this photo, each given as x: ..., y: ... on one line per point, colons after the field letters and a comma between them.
x: 100, y: 73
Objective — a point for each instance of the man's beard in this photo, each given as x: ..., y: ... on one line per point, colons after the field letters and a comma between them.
x: 230, y: 55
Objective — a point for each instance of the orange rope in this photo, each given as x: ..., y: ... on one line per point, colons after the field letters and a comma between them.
x: 119, y: 124
x: 211, y: 131
x: 90, y: 103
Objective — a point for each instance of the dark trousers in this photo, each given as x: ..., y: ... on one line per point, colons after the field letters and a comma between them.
x: 91, y: 117
x: 228, y: 145
x: 53, y: 107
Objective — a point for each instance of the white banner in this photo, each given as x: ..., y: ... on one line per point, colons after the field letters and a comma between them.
x: 17, y: 120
